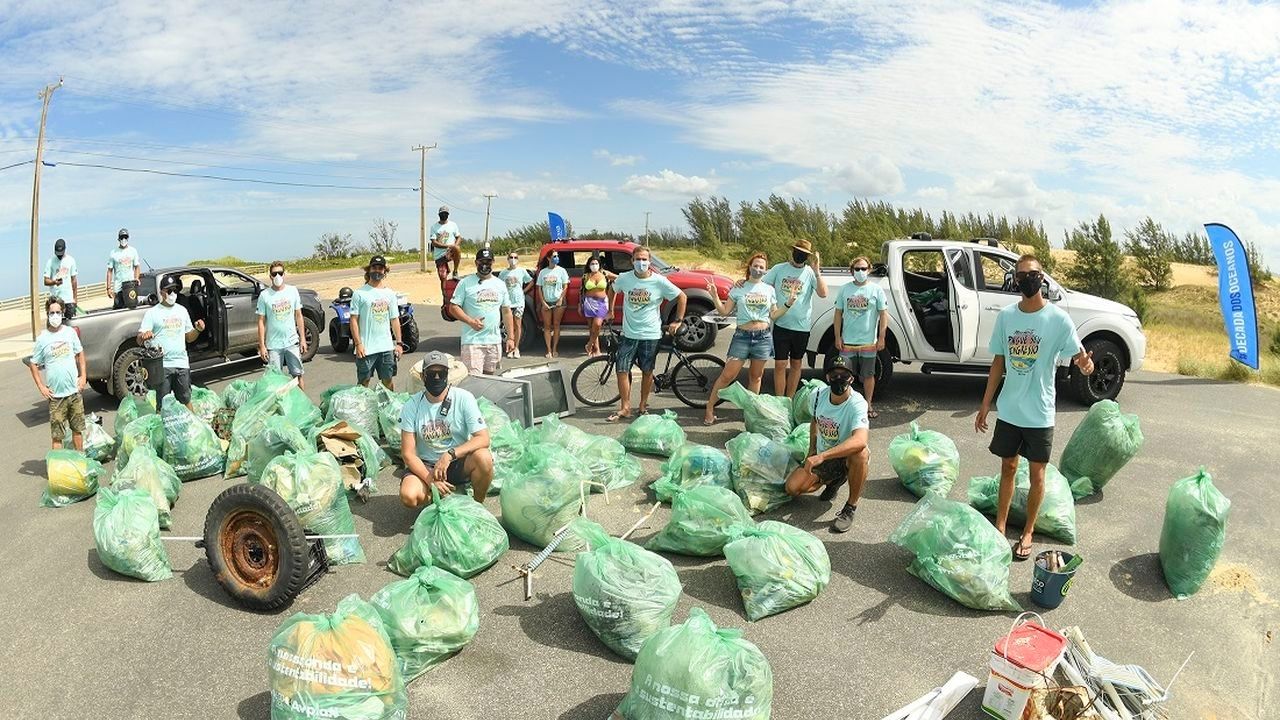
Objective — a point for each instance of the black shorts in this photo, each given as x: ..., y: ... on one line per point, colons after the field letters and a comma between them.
x: 1034, y: 444
x: 789, y: 344
x: 455, y: 475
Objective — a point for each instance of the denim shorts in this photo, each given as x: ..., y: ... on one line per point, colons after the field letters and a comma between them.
x: 643, y: 353
x: 751, y: 345
x: 286, y: 360
x: 384, y: 363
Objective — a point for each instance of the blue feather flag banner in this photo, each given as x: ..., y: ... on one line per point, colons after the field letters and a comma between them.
x: 556, y: 225
x: 1235, y: 293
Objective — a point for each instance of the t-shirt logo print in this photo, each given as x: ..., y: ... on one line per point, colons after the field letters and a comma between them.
x: 791, y: 284
x: 59, y: 350
x: 281, y: 308
x: 756, y: 301
x: 829, y: 429
x: 381, y: 309
x: 1024, y: 350
x: 857, y: 303
x: 172, y: 325
x: 639, y: 297
x: 487, y: 296
x: 435, y: 430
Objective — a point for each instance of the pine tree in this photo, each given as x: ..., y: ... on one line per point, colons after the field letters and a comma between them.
x: 1151, y: 248
x: 1098, y: 267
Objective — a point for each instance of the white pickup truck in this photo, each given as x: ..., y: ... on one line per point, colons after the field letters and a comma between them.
x: 943, y: 297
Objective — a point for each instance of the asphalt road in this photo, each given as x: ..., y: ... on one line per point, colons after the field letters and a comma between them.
x: 80, y: 641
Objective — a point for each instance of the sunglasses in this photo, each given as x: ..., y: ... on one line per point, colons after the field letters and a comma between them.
x: 1025, y: 274
x: 436, y: 374
x: 863, y: 268
x: 277, y: 273
x: 513, y: 257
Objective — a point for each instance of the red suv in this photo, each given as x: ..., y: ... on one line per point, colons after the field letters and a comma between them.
x: 695, y: 334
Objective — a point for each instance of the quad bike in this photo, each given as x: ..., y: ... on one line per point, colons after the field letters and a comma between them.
x: 340, y: 325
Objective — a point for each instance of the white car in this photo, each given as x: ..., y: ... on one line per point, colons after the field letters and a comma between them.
x: 943, y: 298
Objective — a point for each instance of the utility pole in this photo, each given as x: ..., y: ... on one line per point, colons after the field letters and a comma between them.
x: 488, y: 201
x: 646, y: 227
x: 422, y: 205
x: 45, y: 95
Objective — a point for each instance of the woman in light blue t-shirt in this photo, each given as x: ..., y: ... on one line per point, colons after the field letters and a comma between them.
x: 755, y: 306
x: 553, y: 286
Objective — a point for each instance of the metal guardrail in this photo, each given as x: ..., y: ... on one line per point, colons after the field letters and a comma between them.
x: 23, y: 302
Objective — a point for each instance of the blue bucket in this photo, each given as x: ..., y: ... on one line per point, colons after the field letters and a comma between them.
x: 1049, y: 588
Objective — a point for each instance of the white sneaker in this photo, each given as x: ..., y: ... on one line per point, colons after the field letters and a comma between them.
x: 515, y: 353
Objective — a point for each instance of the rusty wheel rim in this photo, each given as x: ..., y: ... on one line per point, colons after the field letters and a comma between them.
x: 249, y: 549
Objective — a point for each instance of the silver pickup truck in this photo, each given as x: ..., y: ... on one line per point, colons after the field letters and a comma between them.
x: 225, y: 298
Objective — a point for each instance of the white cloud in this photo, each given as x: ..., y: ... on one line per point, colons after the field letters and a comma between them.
x: 792, y: 188
x: 669, y: 185
x: 511, y: 186
x: 616, y: 160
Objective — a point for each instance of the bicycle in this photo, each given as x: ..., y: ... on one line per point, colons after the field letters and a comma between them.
x: 691, y: 378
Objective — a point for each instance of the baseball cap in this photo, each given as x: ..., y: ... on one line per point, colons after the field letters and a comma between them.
x: 435, y: 358
x: 60, y: 246
x: 484, y: 254
x: 170, y: 282
x: 124, y: 233
x: 443, y: 208
x: 838, y: 362
x: 376, y: 260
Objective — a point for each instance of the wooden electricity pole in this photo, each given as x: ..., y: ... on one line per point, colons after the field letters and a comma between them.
x: 488, y: 202
x: 422, y: 205
x: 45, y: 95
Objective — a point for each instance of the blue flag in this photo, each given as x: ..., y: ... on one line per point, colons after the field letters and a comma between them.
x: 556, y: 225
x: 1235, y: 293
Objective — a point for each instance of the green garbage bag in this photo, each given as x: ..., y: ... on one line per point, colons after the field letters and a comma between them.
x: 696, y: 670
x: 624, y: 593
x: 358, y: 406
x: 454, y: 533
x: 205, y: 403
x: 145, y: 431
x: 768, y: 415
x: 272, y: 381
x: 1057, y: 516
x: 495, y: 418
x: 336, y: 666
x: 429, y: 617
x: 760, y: 469
x: 507, y: 445
x: 925, y: 460
x: 237, y: 393
x: 1195, y: 527
x: 98, y: 443
x: 778, y: 567
x: 542, y: 495
x: 802, y: 401
x: 958, y: 552
x: 126, y: 531
x: 1104, y: 442
x: 250, y: 420
x: 798, y: 442
x: 606, y: 459
x: 654, y: 434
x: 72, y: 477
x: 703, y: 519
x: 689, y: 466
x: 311, y: 484
x: 298, y: 408
x: 190, y: 444
x: 278, y: 436
x: 389, y: 406
x: 130, y: 409
x: 328, y: 394
x: 146, y: 470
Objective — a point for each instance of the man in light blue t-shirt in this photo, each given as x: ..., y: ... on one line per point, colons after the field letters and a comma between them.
x: 375, y: 326
x: 838, y: 437
x: 168, y: 326
x: 124, y: 270
x: 62, y: 278
x: 58, y: 369
x: 861, y: 321
x: 481, y: 303
x: 1027, y: 341
x: 642, y: 291
x: 446, y: 242
x: 799, y: 278
x: 444, y: 441
x: 282, y: 336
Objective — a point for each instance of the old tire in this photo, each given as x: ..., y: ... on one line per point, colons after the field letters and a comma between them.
x: 1108, y: 373
x: 312, y: 332
x: 256, y: 547
x: 337, y: 340
x: 696, y: 334
x: 409, y: 336
x: 102, y: 387
x: 127, y: 374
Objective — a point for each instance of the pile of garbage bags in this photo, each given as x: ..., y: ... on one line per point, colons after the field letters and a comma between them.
x: 760, y: 469
x: 802, y: 401
x: 925, y: 460
x: 237, y: 393
x: 957, y: 551
x: 690, y: 466
x: 335, y: 666
x: 428, y: 617
x: 1104, y: 442
x: 126, y: 532
x: 191, y: 446
x: 278, y: 436
x: 454, y: 533
x: 768, y: 415
x: 98, y: 443
x: 147, y: 471
x: 1194, y: 530
x: 606, y: 459
x: 654, y: 434
x: 355, y: 404
x: 1057, y: 516
x: 251, y: 420
x: 778, y: 567
x: 703, y: 520
x: 311, y: 484
x: 72, y: 477
x: 624, y: 593
x: 542, y: 495
x: 145, y: 431
x: 205, y: 403
x: 131, y: 408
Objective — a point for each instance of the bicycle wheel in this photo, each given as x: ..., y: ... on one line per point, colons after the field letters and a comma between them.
x: 693, y: 378
x: 594, y: 383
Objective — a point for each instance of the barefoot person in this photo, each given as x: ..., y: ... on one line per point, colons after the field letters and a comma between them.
x: 282, y: 336
x: 800, y: 277
x: 443, y: 438
x: 551, y: 285
x: 1027, y: 340
x: 838, y: 439
x: 643, y: 293
x: 755, y: 306
x: 861, y: 320
x: 58, y: 369
x: 518, y: 282
x: 595, y: 302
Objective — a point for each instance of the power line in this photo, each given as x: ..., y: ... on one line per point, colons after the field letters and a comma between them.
x: 24, y: 162
x: 222, y: 167
x: 230, y: 179
x: 227, y: 153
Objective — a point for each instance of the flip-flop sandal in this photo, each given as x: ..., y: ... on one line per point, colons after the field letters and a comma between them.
x: 1017, y: 556
x: 617, y: 417
x: 873, y: 414
x: 710, y: 422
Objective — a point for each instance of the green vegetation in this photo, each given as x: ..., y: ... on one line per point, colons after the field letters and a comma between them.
x: 313, y: 264
x: 1151, y: 248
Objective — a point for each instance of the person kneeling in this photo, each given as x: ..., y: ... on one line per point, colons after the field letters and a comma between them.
x: 443, y: 438
x: 837, y: 444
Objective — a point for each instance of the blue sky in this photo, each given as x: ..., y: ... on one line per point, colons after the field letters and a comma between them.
x: 604, y: 110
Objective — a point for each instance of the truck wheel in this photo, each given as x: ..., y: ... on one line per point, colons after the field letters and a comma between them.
x: 696, y: 334
x: 337, y: 340
x: 530, y: 334
x: 127, y: 374
x: 312, y: 336
x: 256, y: 547
x: 1108, y: 373
x: 409, y: 336
x: 102, y: 387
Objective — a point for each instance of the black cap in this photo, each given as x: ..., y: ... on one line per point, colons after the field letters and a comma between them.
x: 838, y: 362
x: 60, y: 245
x: 124, y: 233
x: 376, y: 260
x: 484, y: 254
x: 170, y: 282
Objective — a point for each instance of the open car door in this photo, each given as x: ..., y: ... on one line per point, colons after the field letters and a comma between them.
x: 964, y: 302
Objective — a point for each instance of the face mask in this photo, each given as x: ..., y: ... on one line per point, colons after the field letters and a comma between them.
x: 375, y: 276
x: 555, y: 261
x: 55, y: 319
x: 435, y: 383
x: 642, y: 266
x: 860, y: 275
x: 593, y: 267
x: 58, y: 255
x: 512, y: 262
x: 444, y: 218
x: 799, y: 257
x: 169, y: 300
x: 839, y: 384
x: 277, y: 280
x: 1029, y: 285
x: 484, y: 269
x: 124, y: 242
x: 756, y: 272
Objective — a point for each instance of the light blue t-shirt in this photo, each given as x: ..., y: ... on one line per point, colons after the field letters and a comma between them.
x: 860, y: 307
x: 482, y: 299
x: 642, y: 303
x: 64, y: 269
x: 434, y: 433
x: 55, y: 353
x: 121, y: 262
x: 753, y: 302
x: 1031, y: 344
x: 835, y: 423
x: 278, y: 308
x: 553, y: 281
x: 450, y: 229
x: 515, y: 279
x: 785, y: 276
x: 170, y: 325
x: 375, y: 307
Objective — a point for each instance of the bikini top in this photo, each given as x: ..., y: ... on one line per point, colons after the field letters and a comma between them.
x: 589, y: 284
